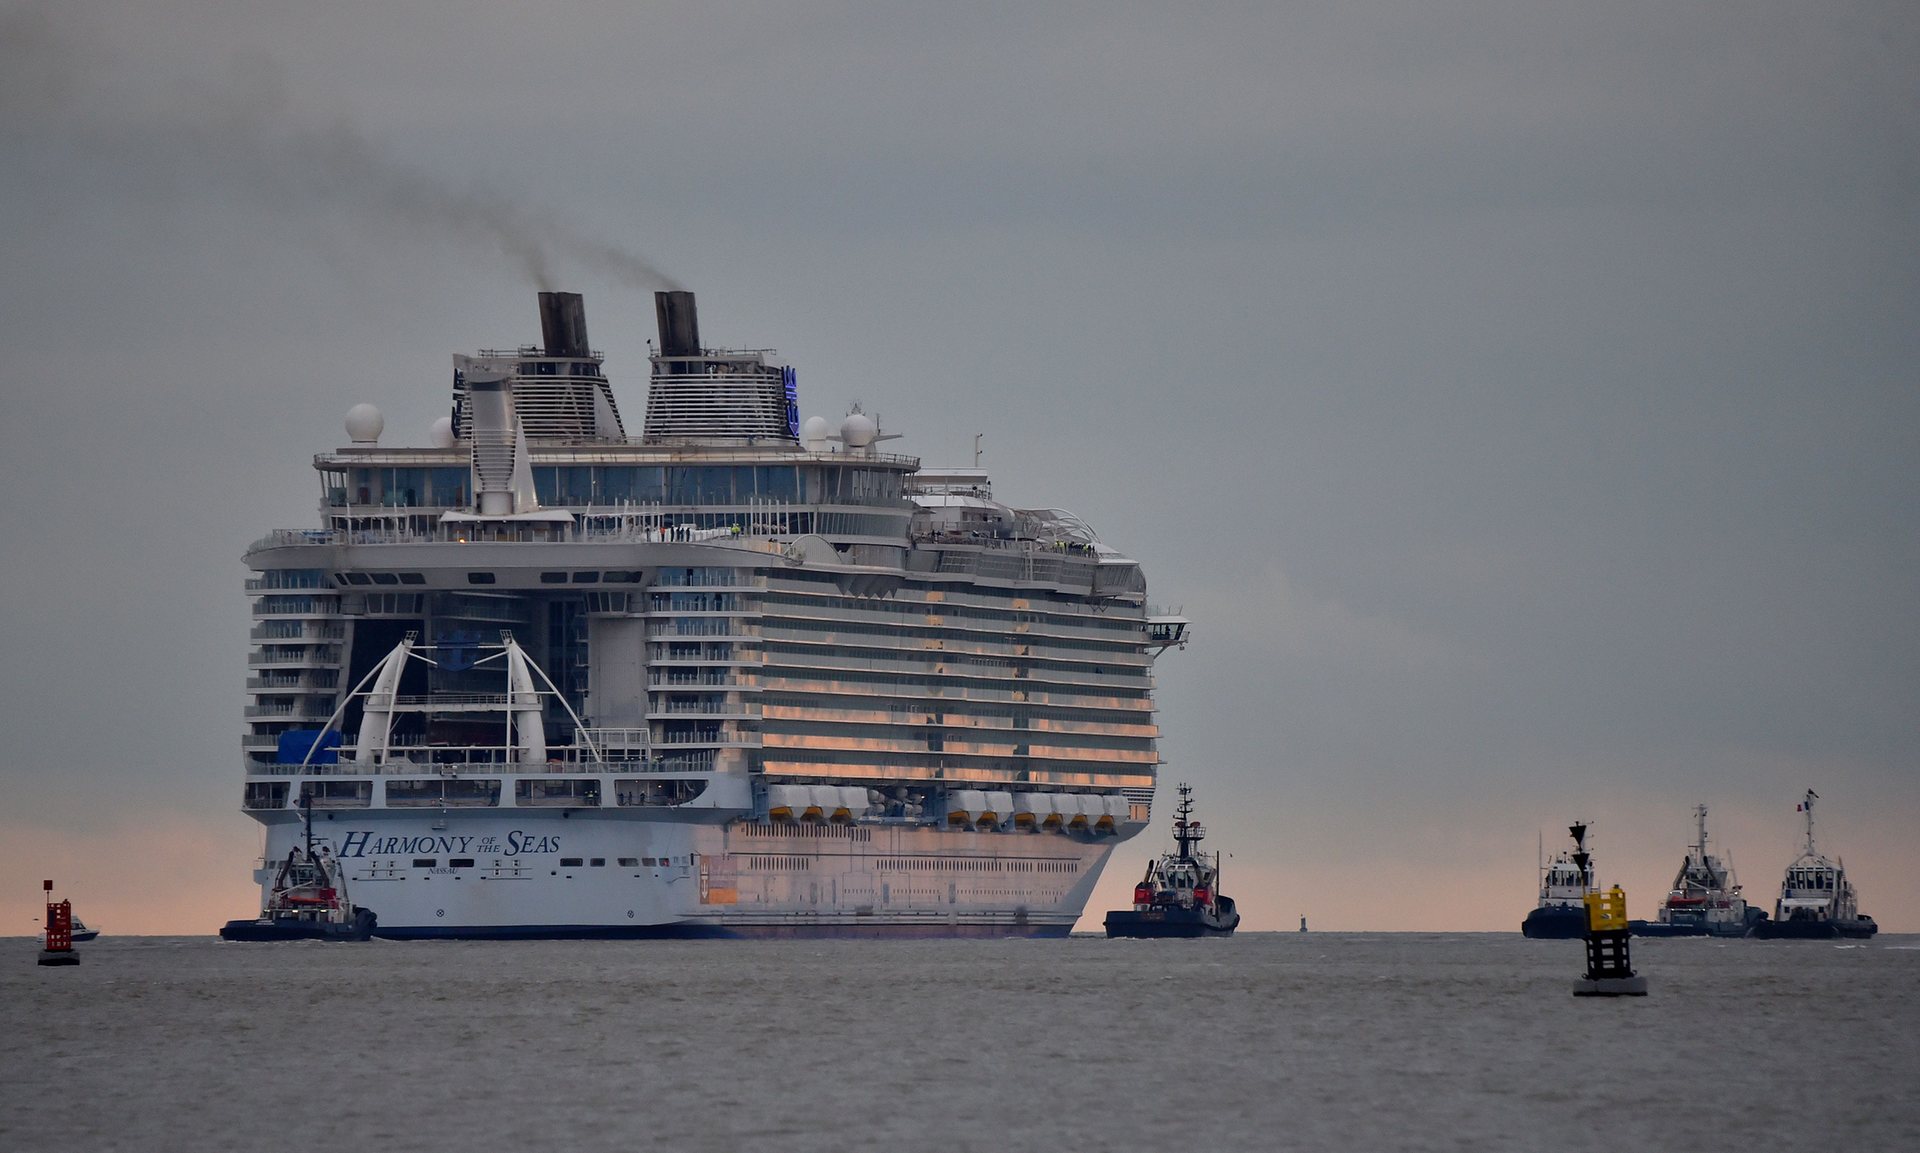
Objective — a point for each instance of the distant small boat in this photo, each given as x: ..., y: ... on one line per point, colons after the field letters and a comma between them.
x: 81, y: 932
x: 1565, y: 882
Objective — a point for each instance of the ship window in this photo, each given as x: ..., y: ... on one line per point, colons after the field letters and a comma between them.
x: 586, y: 578
x: 649, y: 861
x: 778, y: 482
x: 461, y: 862
x: 553, y: 578
x: 598, y: 862
x: 570, y: 862
x: 629, y: 862
x: 425, y: 862
x: 412, y: 578
x: 448, y: 485
x: 477, y: 578
x: 621, y: 576
x: 385, y: 578
x: 357, y: 578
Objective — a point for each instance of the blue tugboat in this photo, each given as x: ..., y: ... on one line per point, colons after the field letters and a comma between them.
x: 1564, y: 885
x: 1816, y: 898
x: 1180, y: 895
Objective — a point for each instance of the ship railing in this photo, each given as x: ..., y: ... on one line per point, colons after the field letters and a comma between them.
x: 704, y: 627
x: 707, y: 738
x: 488, y: 700
x: 306, y: 680
x: 690, y: 524
x: 295, y: 630
x: 694, y: 682
x: 494, y: 762
x: 705, y: 708
x: 619, y: 738
x: 298, y: 712
x: 317, y: 655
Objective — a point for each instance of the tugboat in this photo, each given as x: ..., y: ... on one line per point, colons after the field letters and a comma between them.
x: 1816, y: 899
x: 1564, y: 885
x: 308, y: 901
x: 1180, y: 895
x: 1705, y: 899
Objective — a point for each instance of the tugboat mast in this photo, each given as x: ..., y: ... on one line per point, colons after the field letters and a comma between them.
x: 306, y: 808
x: 1582, y: 859
x: 1186, y: 831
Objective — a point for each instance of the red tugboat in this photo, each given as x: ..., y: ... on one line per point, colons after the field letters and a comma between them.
x: 1180, y: 895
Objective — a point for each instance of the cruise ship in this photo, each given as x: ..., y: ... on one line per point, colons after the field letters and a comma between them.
x: 735, y: 675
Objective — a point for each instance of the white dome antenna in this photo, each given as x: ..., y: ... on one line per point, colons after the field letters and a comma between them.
x: 858, y: 430
x: 440, y: 433
x: 815, y: 433
x: 365, y: 424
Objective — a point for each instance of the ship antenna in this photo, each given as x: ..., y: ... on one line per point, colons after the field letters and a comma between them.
x: 1181, y: 824
x: 1808, y: 806
x: 306, y: 808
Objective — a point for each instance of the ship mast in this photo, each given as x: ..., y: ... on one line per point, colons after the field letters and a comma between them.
x: 1186, y: 831
x: 1807, y: 807
x: 1582, y: 859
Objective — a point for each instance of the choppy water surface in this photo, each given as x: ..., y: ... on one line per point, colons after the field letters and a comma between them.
x: 1321, y: 1041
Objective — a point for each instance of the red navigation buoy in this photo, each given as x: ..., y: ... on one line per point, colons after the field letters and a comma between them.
x: 59, y: 944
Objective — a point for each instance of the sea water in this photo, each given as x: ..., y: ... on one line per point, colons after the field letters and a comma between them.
x: 1263, y: 1041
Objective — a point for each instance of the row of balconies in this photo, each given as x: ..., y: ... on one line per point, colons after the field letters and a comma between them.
x: 298, y: 630
x: 934, y: 617
x: 326, y: 681
x: 795, y: 680
x: 304, y: 711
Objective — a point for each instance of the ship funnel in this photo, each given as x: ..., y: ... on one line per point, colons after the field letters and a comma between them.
x: 502, y: 478
x: 679, y: 324
x: 563, y: 323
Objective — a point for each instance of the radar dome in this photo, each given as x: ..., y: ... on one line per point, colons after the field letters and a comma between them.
x: 858, y: 430
x: 364, y: 424
x: 814, y: 432
x: 441, y: 434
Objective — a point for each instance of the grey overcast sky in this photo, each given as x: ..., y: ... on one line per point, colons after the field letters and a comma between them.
x: 1520, y: 397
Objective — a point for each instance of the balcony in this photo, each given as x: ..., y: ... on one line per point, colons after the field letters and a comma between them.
x: 294, y: 630
x: 316, y: 657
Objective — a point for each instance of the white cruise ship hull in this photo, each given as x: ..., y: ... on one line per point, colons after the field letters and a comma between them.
x: 507, y: 874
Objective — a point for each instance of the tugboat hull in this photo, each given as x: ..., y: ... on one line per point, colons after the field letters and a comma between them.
x: 360, y: 928
x: 1555, y: 923
x: 1170, y: 922
x: 1858, y: 929
x: 1699, y: 928
x: 1667, y: 929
